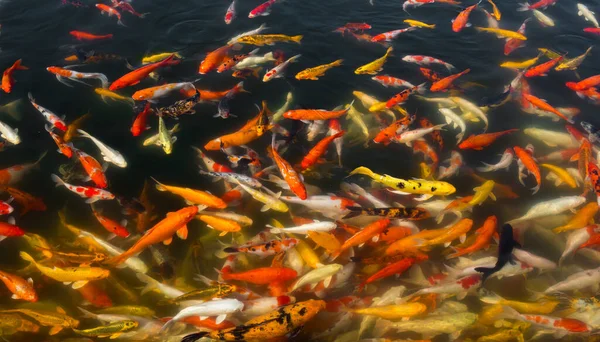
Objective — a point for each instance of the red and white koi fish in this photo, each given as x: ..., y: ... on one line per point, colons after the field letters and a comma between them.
x: 262, y: 10
x: 540, y: 4
x: 126, y: 6
x: 92, y: 194
x: 230, y: 14
x: 560, y: 326
x: 277, y: 72
x: 389, y: 81
x: 336, y: 128
x: 415, y: 3
x: 210, y: 164
x: 455, y: 163
x: 110, y: 12
x: 426, y: 60
x: 512, y: 43
x: 52, y: 118
x: 388, y: 36
x: 63, y: 148
x: 76, y: 76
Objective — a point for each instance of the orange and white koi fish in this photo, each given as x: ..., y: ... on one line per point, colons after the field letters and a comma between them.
x: 388, y: 36
x: 264, y: 249
x: 13, y: 174
x: 63, y: 148
x: 62, y: 73
x: 153, y: 93
x: 110, y: 12
x: 92, y: 194
x: 21, y: 288
x: 134, y: 77
x: 389, y: 81
x: 455, y: 163
x: 92, y: 168
x: 175, y: 222
x: 7, y: 77
x: 52, y: 118
x: 478, y: 142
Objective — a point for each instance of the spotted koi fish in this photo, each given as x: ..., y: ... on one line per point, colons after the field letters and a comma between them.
x: 264, y: 249
x: 403, y: 213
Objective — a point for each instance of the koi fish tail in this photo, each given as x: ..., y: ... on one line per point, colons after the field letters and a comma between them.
x: 194, y: 337
x: 337, y: 63
x: 523, y: 7
x: 151, y: 284
x: 536, y: 188
x: 57, y: 180
x: 121, y: 23
x: 297, y: 38
x: 486, y: 168
x: 363, y: 171
x: 104, y: 80
x: 458, y: 252
x: 27, y: 257
x: 421, y: 88
x: 489, y: 297
x: 485, y: 272
x: 18, y: 65
x: 143, y: 15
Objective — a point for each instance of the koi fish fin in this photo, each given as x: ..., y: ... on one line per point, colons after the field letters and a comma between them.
x: 168, y: 241
x: 182, y: 232
x: 63, y: 81
x: 79, y: 284
x: 220, y: 318
x: 55, y: 330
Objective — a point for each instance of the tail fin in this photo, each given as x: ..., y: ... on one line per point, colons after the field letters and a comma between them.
x: 151, y: 284
x: 523, y: 7
x: 489, y: 297
x: 362, y: 171
x: 121, y: 23
x: 297, y: 38
x: 18, y: 65
x: 27, y: 257
x: 194, y: 337
x: 337, y: 63
x: 536, y: 188
x: 87, y: 314
x: 104, y: 80
x: 57, y: 180
x: 159, y: 185
x: 421, y: 88
x: 354, y: 211
x: 485, y: 272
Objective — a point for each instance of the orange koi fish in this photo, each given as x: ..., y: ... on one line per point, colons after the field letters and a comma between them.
x: 134, y: 77
x: 21, y: 288
x: 462, y: 19
x: 95, y: 295
x: 110, y: 11
x: 27, y: 202
x: 483, y: 239
x: 288, y: 173
x: 175, y: 222
x: 263, y: 275
x: 92, y: 167
x: 139, y: 124
x: 221, y: 224
x: 80, y: 35
x: 542, y: 69
x: 543, y: 105
x: 318, y: 150
x: 529, y: 162
x: 436, y: 135
x: 214, y: 59
x: 584, y: 84
x: 385, y: 135
x: 7, y: 77
x: 593, y: 172
x: 63, y: 148
x: 478, y: 142
x: 111, y: 225
x: 315, y: 114
x: 362, y: 236
x: 446, y: 82
x: 398, y: 267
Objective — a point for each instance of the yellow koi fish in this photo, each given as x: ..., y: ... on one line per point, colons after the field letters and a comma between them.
x: 159, y: 57
x: 314, y: 72
x: 482, y: 193
x: 269, y: 39
x: 416, y: 23
x: 78, y: 276
x: 520, y: 65
x: 105, y: 93
x: 501, y: 33
x: 111, y: 330
x: 581, y: 219
x: 496, y: 12
x: 542, y: 307
x: 192, y: 196
x: 457, y: 231
x: 57, y: 320
x: 393, y: 312
x: 375, y: 66
x: 270, y: 202
x: 415, y: 186
x: 561, y: 174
